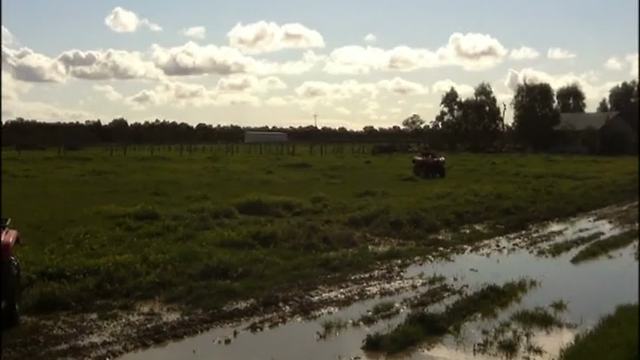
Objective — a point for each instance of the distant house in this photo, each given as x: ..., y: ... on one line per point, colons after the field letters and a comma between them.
x: 594, y: 133
x: 258, y: 137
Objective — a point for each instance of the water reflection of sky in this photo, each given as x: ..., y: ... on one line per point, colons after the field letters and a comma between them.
x: 592, y: 290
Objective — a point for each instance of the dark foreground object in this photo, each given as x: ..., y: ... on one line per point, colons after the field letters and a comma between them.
x: 429, y: 165
x: 10, y: 268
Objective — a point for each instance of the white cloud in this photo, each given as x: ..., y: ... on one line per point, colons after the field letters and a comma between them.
x: 343, y: 110
x: 560, y: 54
x: 108, y: 91
x: 524, y: 53
x: 613, y: 63
x: 7, y: 37
x: 587, y: 81
x: 249, y: 83
x: 27, y: 65
x: 108, y: 64
x: 504, y: 98
x: 193, y: 59
x: 123, y: 21
x: 195, y: 32
x: 424, y: 106
x: 232, y: 91
x: 404, y: 58
x: 262, y: 36
x: 442, y: 86
x: 370, y: 38
x: 470, y: 51
x: 403, y: 87
x: 355, y: 59
x: 343, y: 90
x: 12, y: 88
x: 294, y: 67
x: 13, y: 106
x: 276, y: 101
x: 44, y: 112
x: 172, y: 92
x: 632, y: 59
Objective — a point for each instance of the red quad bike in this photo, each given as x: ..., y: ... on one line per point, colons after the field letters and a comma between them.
x: 428, y: 165
x: 10, y: 274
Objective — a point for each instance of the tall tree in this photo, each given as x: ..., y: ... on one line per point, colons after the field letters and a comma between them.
x: 621, y: 96
x: 571, y: 99
x: 447, y: 119
x: 624, y: 99
x: 413, y: 122
x: 603, y: 106
x: 449, y: 107
x: 481, y: 121
x: 535, y: 115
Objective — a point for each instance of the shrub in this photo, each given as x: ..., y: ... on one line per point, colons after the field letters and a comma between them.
x: 366, y: 217
x: 268, y: 206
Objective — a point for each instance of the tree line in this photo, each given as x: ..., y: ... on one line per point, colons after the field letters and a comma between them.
x: 475, y: 123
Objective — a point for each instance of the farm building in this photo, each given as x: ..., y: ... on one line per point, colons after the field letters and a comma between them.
x: 264, y: 137
x: 594, y: 133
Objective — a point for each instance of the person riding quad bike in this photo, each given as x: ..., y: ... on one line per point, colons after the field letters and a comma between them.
x: 10, y: 268
x: 428, y: 164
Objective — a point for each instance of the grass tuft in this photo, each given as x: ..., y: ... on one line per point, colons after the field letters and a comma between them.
x: 606, y: 245
x: 615, y: 337
x: 420, y: 325
x: 261, y: 205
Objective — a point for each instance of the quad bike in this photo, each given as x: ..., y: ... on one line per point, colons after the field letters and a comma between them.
x: 10, y: 274
x: 428, y: 164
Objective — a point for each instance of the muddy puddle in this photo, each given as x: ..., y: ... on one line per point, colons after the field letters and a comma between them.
x: 590, y: 290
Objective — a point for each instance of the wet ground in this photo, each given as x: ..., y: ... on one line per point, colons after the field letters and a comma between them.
x: 590, y: 289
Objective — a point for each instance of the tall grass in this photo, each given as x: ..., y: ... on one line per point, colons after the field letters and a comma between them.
x: 420, y: 325
x: 201, y: 229
x: 601, y: 247
x: 615, y: 337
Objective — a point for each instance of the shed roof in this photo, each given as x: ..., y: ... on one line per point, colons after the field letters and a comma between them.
x: 583, y: 121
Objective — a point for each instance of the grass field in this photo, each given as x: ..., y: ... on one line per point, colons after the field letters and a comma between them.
x: 615, y: 337
x: 102, y: 231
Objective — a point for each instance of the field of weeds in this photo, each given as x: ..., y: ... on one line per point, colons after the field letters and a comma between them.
x: 102, y: 231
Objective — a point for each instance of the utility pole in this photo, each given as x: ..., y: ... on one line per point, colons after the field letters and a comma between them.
x: 315, y: 120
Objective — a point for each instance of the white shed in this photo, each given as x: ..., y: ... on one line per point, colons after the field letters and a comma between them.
x: 264, y: 137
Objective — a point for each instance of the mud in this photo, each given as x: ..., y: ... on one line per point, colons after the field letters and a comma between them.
x: 112, y: 334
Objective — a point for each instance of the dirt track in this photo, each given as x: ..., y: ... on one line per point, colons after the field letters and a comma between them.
x: 109, y: 335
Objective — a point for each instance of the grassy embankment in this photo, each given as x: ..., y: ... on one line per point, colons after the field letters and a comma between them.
x: 614, y: 338
x: 104, y: 231
x: 604, y: 246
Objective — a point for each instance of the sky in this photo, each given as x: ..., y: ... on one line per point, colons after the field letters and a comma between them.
x: 277, y: 63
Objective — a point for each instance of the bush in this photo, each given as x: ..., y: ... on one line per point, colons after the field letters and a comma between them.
x: 268, y: 206
x: 366, y: 217
x: 141, y: 212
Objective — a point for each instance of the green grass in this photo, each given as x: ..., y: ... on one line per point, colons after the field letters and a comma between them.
x: 614, y: 338
x: 536, y: 318
x: 604, y: 246
x: 564, y: 246
x: 101, y: 232
x: 330, y: 327
x: 559, y: 305
x: 383, y: 310
x: 420, y: 325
